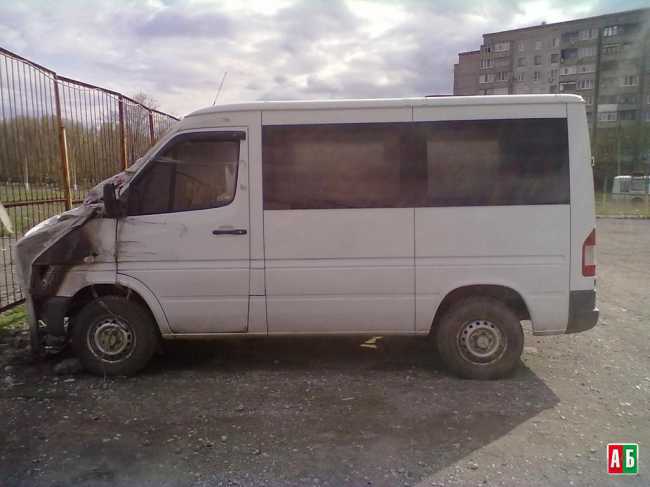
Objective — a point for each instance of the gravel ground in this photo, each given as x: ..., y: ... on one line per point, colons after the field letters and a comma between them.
x: 329, y: 412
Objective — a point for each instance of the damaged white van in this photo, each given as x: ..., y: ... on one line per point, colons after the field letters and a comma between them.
x: 453, y: 217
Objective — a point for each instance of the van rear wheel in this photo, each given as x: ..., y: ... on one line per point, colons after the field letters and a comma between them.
x: 480, y: 338
x: 114, y: 336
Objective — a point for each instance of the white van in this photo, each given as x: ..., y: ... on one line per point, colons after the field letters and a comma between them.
x: 455, y: 217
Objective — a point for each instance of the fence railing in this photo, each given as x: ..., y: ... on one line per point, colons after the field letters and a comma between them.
x: 58, y: 138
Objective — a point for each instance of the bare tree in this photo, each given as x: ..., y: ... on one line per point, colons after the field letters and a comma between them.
x: 146, y: 100
x: 138, y: 124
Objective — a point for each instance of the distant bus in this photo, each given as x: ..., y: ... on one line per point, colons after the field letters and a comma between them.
x: 630, y: 188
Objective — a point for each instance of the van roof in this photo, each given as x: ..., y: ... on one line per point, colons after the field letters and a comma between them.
x: 389, y: 103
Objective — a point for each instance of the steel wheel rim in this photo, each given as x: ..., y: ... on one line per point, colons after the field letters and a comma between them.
x: 111, y: 340
x: 481, y: 342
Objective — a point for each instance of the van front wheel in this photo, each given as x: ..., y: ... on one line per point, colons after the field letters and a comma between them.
x: 113, y: 336
x: 480, y: 338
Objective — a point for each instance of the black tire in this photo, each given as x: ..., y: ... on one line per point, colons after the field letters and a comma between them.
x: 480, y: 338
x: 114, y: 336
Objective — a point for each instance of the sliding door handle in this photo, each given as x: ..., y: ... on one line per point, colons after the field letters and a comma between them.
x: 230, y: 231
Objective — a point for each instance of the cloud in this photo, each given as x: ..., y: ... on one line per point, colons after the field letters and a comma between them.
x: 178, y: 50
x: 168, y: 23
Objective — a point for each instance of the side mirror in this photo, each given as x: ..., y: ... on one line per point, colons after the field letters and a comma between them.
x: 111, y: 205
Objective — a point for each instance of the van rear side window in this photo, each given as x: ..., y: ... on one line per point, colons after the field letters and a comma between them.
x: 496, y: 162
x: 422, y: 164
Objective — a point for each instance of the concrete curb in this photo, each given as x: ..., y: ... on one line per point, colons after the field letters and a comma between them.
x: 623, y: 217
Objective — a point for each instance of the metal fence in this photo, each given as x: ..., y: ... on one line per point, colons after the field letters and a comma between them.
x: 58, y: 138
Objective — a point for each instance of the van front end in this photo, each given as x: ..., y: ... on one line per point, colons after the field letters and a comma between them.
x: 57, y: 258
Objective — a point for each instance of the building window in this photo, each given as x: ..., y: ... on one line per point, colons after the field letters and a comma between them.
x: 520, y: 76
x: 569, y: 54
x: 587, y: 51
x: 486, y: 63
x: 570, y: 37
x: 630, y: 80
x: 552, y: 75
x: 627, y: 115
x: 554, y: 58
x: 588, y: 34
x: 537, y: 76
x: 585, y: 84
x: 521, y: 62
x: 556, y: 42
x: 538, y: 60
x: 522, y: 46
x: 607, y: 116
x: 502, y: 46
x: 503, y: 76
x: 646, y: 117
x: 567, y: 86
x: 627, y: 99
x: 538, y: 45
x: 589, y: 99
x: 610, y: 31
x: 486, y: 78
x: 567, y: 70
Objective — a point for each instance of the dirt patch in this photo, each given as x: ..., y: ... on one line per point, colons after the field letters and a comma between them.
x: 330, y: 412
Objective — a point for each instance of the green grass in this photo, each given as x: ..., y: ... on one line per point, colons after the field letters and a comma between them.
x: 605, y: 206
x: 13, y: 318
x: 10, y: 193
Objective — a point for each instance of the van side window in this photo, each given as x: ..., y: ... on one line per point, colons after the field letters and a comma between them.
x: 193, y: 173
x: 331, y: 166
x: 496, y: 162
x: 418, y: 164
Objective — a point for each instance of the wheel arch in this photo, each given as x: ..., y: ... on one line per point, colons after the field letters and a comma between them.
x: 503, y: 293
x: 123, y: 286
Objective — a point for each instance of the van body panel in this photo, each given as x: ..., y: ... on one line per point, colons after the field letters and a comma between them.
x: 525, y: 248
x: 488, y: 112
x: 202, y: 280
x: 357, y: 115
x: 226, y: 109
x: 254, y: 120
x: 583, y: 219
x: 149, y: 298
x: 340, y: 270
x: 82, y: 276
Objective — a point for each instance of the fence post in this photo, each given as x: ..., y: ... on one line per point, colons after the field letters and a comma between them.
x: 151, y: 135
x: 122, y: 135
x: 63, y: 147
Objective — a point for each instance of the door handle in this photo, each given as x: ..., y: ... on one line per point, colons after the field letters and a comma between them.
x: 230, y: 231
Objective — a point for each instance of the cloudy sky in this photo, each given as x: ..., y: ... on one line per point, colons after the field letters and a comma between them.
x: 178, y: 50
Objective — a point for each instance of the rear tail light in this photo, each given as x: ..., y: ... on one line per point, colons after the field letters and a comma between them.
x: 589, y: 255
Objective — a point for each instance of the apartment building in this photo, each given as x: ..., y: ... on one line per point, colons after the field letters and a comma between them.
x: 466, y: 73
x: 605, y: 59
